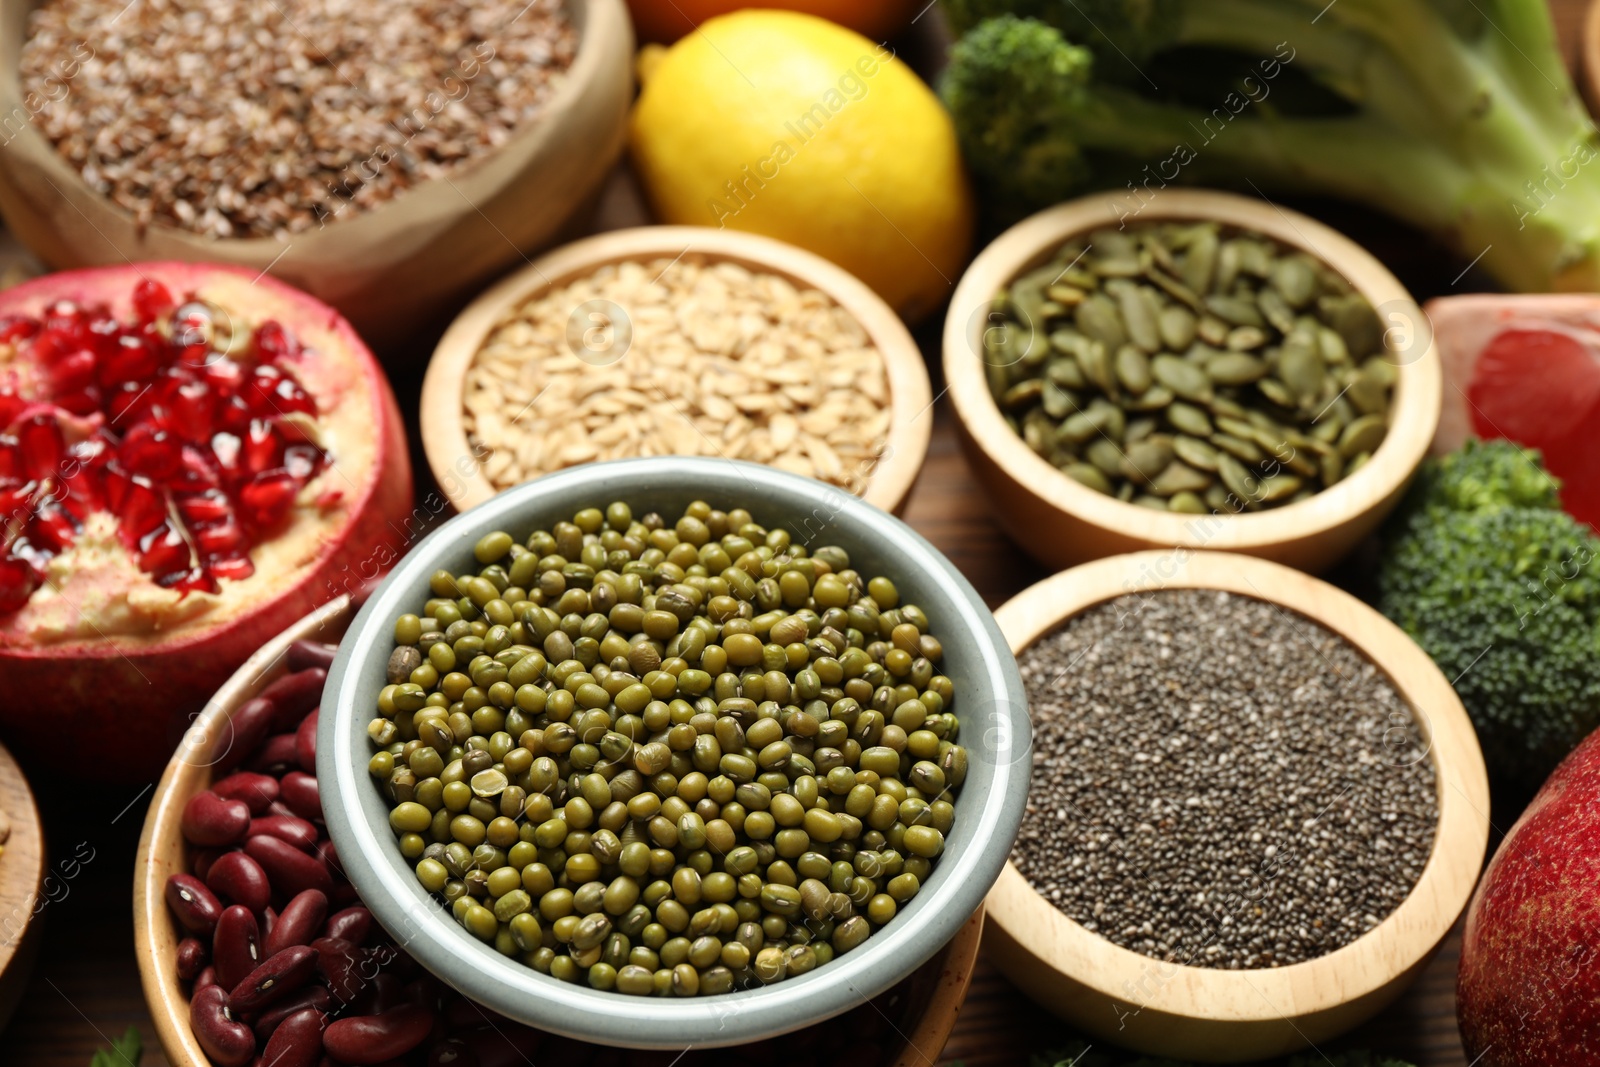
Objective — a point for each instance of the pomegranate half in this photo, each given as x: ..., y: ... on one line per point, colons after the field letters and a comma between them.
x: 191, y: 458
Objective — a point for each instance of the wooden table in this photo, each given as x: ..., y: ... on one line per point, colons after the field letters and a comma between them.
x: 85, y: 988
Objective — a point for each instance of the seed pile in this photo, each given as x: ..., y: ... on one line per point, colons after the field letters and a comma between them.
x: 679, y: 358
x: 668, y: 760
x: 1183, y: 368
x: 237, y: 119
x: 1219, y: 782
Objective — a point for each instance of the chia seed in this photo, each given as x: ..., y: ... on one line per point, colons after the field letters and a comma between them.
x: 1220, y: 782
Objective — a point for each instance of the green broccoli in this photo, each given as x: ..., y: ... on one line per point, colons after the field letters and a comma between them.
x: 1455, y: 115
x: 1502, y: 588
x: 1080, y: 1053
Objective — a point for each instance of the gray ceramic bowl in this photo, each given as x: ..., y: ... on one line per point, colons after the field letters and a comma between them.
x: 989, y: 700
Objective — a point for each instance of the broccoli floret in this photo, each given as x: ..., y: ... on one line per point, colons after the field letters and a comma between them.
x: 1479, y: 136
x: 1502, y: 589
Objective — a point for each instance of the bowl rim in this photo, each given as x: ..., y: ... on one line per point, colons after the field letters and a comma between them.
x: 1403, y: 939
x: 595, y: 21
x: 1414, y: 414
x: 444, y: 438
x: 389, y: 888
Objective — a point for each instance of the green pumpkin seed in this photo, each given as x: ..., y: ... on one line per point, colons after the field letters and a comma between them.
x: 1065, y: 372
x: 1241, y: 482
x: 1182, y: 377
x: 1275, y: 310
x: 1138, y: 309
x: 1357, y: 461
x: 1354, y: 320
x: 1255, y: 257
x: 1293, y: 279
x: 1154, y: 503
x: 1186, y: 503
x: 1234, y: 310
x: 1056, y: 401
x: 1086, y: 475
x: 1097, y: 319
x: 1199, y: 265
x: 1279, y: 487
x: 1240, y: 427
x: 1236, y: 368
x: 1125, y: 492
x: 1331, y: 468
x: 1153, y: 399
x: 1237, y: 447
x: 1365, y: 434
x: 1138, y: 429
x: 1189, y: 419
x: 1301, y: 368
x: 1366, y: 394
x: 1133, y: 369
x: 1039, y: 437
x: 1227, y: 406
x: 1227, y: 265
x: 1177, y: 290
x: 1105, y: 456
x: 1332, y: 347
x: 1246, y: 338
x: 1212, y: 330
x: 1023, y: 395
x: 1145, y: 459
x: 1328, y: 428
x: 1176, y: 325
x: 1069, y: 296
x: 1381, y: 370
x: 1201, y: 455
x: 1278, y: 393
x: 1216, y: 498
x: 1096, y: 365
x: 1302, y: 463
x: 1177, y: 478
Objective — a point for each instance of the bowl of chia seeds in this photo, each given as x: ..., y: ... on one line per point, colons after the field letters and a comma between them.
x: 673, y: 752
x: 386, y: 159
x: 1256, y: 806
x: 1212, y: 371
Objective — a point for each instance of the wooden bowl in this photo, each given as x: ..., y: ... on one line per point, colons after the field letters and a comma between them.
x: 1589, y: 57
x: 927, y: 1002
x: 25, y: 889
x: 1060, y: 522
x: 444, y: 436
x: 390, y: 269
x: 1216, y: 1015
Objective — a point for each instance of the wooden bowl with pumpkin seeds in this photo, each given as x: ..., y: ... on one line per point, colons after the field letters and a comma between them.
x: 1207, y: 371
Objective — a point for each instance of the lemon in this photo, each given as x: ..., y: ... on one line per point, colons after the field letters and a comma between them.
x: 787, y: 125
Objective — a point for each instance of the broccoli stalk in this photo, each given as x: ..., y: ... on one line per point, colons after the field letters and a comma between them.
x: 1502, y: 589
x: 1455, y: 115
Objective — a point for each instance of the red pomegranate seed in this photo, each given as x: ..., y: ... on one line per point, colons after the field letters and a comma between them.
x: 130, y: 358
x: 16, y: 502
x: 274, y: 342
x: 193, y: 330
x: 193, y: 580
x: 10, y: 457
x: 225, y: 375
x: 17, y: 583
x: 73, y: 373
x: 263, y: 447
x: 234, y: 568
x: 53, y: 528
x: 152, y: 452
x: 151, y: 300
x: 266, y: 499
x: 141, y: 508
x: 43, y: 447
x: 85, y: 402
x: 193, y: 411
x: 11, y: 405
x: 63, y: 316
x: 163, y: 551
x: 227, y: 447
x: 199, y: 472
x: 14, y: 328
x: 209, y: 506
x: 220, y: 540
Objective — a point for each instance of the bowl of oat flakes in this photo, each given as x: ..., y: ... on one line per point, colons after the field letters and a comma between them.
x: 677, y: 341
x: 387, y: 159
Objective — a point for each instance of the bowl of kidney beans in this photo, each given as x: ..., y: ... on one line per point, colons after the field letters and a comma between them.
x: 254, y: 949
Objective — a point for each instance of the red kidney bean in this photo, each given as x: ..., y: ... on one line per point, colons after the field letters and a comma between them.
x: 313, y: 996
x: 192, y: 957
x: 305, y: 742
x: 341, y: 965
x: 299, y: 790
x: 371, y: 1039
x: 256, y: 790
x: 329, y: 855
x: 212, y: 822
x: 290, y: 870
x: 196, y: 907
x: 226, y: 1040
x: 279, y: 810
x: 204, y: 978
x: 240, y: 879
x: 269, y: 919
x: 236, y: 946
x: 351, y: 924
x: 248, y: 726
x: 303, y: 654
x: 344, y: 894
x: 280, y: 975
x: 297, y: 1042
x: 298, y: 922
x: 276, y: 756
x: 200, y: 865
x: 295, y: 694
x: 291, y: 828
x: 384, y: 992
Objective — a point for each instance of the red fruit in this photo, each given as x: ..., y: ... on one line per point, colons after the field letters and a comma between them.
x: 1528, y: 993
x: 219, y: 508
x: 1527, y: 369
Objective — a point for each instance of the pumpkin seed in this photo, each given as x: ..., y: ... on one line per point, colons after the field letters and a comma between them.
x: 1365, y: 434
x: 1212, y: 330
x: 1199, y: 265
x: 1177, y: 478
x: 1139, y: 316
x: 1155, y: 503
x: 1096, y: 365
x: 1357, y: 461
x: 1153, y: 399
x: 1096, y: 318
x: 1331, y: 468
x: 1065, y: 372
x: 1176, y: 325
x: 1138, y: 429
x: 1146, y: 459
x: 1057, y: 402
x: 1236, y: 368
x: 1196, y: 453
x: 1133, y: 369
x: 1293, y: 279
x: 1105, y: 456
x: 1186, y: 503
x: 1239, y: 479
x: 1182, y: 377
x: 1301, y: 368
x: 1090, y: 476
x: 1234, y: 310
x: 1279, y: 487
x: 1238, y: 447
x: 1275, y: 310
x: 1189, y: 419
x: 1069, y: 296
x: 1125, y: 492
x: 1020, y: 396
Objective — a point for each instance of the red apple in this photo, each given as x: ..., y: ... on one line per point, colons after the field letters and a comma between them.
x: 1528, y: 994
x: 191, y: 458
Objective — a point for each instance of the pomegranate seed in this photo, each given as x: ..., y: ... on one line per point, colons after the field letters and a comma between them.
x: 209, y: 506
x: 14, y: 328
x: 11, y: 405
x: 151, y: 452
x: 17, y: 583
x: 226, y: 447
x: 131, y: 358
x: 53, y: 528
x: 73, y: 373
x: 267, y: 498
x: 263, y: 447
x: 163, y: 550
x: 221, y: 540
x: 141, y: 509
x: 10, y: 457
x: 274, y: 342
x: 193, y: 580
x: 85, y: 402
x: 193, y: 331
x: 225, y: 376
x: 63, y: 316
x: 234, y: 568
x: 16, y: 502
x: 193, y: 411
x: 151, y: 300
x: 39, y: 437
x: 199, y: 472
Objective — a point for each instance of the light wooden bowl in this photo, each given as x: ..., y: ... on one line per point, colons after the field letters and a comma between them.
x: 1589, y: 57
x: 1216, y: 1015
x: 1060, y: 522
x: 927, y: 1001
x: 25, y: 889
x: 444, y: 436
x: 390, y: 269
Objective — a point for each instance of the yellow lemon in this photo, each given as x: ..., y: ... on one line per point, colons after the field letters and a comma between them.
x: 787, y: 125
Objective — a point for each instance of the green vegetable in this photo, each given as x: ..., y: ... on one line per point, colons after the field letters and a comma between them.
x: 124, y: 1052
x: 1502, y: 588
x: 1454, y: 115
x: 1078, y: 1053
